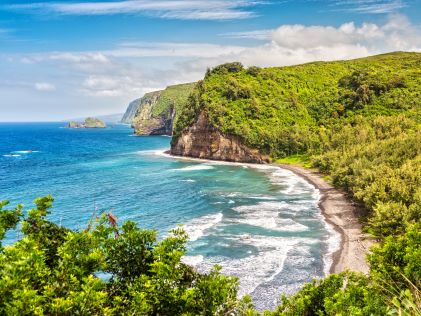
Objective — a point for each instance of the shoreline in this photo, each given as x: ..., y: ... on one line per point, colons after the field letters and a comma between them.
x: 337, y: 210
x: 341, y: 213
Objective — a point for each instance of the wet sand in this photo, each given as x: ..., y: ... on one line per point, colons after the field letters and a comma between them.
x: 342, y: 214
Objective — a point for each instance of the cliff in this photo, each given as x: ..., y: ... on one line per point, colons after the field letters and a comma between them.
x: 130, y: 113
x: 202, y: 140
x: 157, y: 111
x: 89, y: 122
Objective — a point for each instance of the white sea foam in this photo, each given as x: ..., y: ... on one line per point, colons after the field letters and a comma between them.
x: 188, y: 180
x: 195, y: 168
x: 196, y: 227
x: 11, y: 155
x: 255, y: 269
x: 192, y: 260
x: 157, y: 152
x: 333, y: 241
x: 266, y: 215
x: 24, y: 151
x: 291, y: 183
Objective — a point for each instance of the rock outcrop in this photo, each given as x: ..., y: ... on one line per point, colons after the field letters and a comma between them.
x: 202, y: 140
x: 146, y: 123
x: 90, y: 122
x: 130, y: 113
x: 157, y: 111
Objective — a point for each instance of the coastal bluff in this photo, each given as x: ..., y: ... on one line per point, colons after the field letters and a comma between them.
x: 156, y: 112
x: 202, y: 140
x: 89, y: 122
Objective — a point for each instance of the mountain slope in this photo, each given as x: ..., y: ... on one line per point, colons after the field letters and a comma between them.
x: 157, y: 111
x: 131, y: 110
x: 358, y: 121
x: 277, y: 110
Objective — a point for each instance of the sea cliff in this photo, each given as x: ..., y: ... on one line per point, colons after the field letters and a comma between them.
x: 130, y: 113
x: 202, y: 140
x: 156, y: 112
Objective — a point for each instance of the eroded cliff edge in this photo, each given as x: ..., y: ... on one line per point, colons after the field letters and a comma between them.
x: 156, y: 112
x: 202, y: 140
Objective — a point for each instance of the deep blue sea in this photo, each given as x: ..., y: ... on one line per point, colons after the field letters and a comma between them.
x: 260, y: 223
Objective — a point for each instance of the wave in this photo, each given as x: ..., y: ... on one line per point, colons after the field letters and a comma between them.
x: 188, y: 180
x: 255, y: 269
x: 291, y: 183
x: 195, y: 168
x: 25, y: 151
x: 253, y: 196
x: 266, y: 215
x: 11, y: 155
x: 196, y: 227
x: 333, y: 241
x: 192, y: 260
x: 155, y: 152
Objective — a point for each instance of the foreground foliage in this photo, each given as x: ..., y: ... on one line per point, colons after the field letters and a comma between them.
x: 109, y: 269
x: 106, y: 269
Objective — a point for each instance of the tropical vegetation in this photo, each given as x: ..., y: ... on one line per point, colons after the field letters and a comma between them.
x: 357, y: 121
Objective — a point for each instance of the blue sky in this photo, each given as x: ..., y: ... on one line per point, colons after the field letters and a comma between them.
x: 63, y: 59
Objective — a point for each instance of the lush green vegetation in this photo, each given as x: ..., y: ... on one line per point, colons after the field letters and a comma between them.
x: 359, y: 122
x: 281, y: 110
x: 172, y: 97
x: 107, y: 269
x: 113, y: 269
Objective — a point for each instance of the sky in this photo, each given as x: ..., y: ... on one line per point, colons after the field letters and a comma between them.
x: 64, y: 59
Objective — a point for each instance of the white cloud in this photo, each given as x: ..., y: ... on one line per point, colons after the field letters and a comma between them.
x: 258, y: 35
x: 173, y: 9
x: 370, y: 6
x: 132, y: 68
x: 44, y: 87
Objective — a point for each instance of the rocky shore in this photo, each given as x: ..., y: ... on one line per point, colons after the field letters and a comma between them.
x: 201, y: 140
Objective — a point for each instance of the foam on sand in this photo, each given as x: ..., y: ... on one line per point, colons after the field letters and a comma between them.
x: 333, y: 241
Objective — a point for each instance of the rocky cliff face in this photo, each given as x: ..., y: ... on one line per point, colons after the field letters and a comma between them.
x: 157, y: 111
x: 201, y: 140
x: 146, y: 123
x: 131, y: 111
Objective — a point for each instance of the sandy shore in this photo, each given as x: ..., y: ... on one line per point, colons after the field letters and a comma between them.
x: 340, y: 212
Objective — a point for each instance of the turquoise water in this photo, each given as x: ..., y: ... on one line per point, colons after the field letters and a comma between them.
x: 260, y: 223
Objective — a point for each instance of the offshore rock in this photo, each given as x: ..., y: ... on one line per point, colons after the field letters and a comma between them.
x: 90, y: 122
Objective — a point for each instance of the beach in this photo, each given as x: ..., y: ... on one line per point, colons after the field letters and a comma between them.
x: 339, y: 211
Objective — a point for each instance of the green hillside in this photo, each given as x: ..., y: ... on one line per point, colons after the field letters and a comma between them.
x: 277, y: 110
x: 173, y: 96
x: 357, y: 120
x: 157, y: 111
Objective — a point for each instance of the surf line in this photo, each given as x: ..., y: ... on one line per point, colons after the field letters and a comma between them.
x: 347, y: 245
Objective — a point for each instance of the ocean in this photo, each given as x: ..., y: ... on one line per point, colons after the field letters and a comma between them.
x: 260, y: 223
